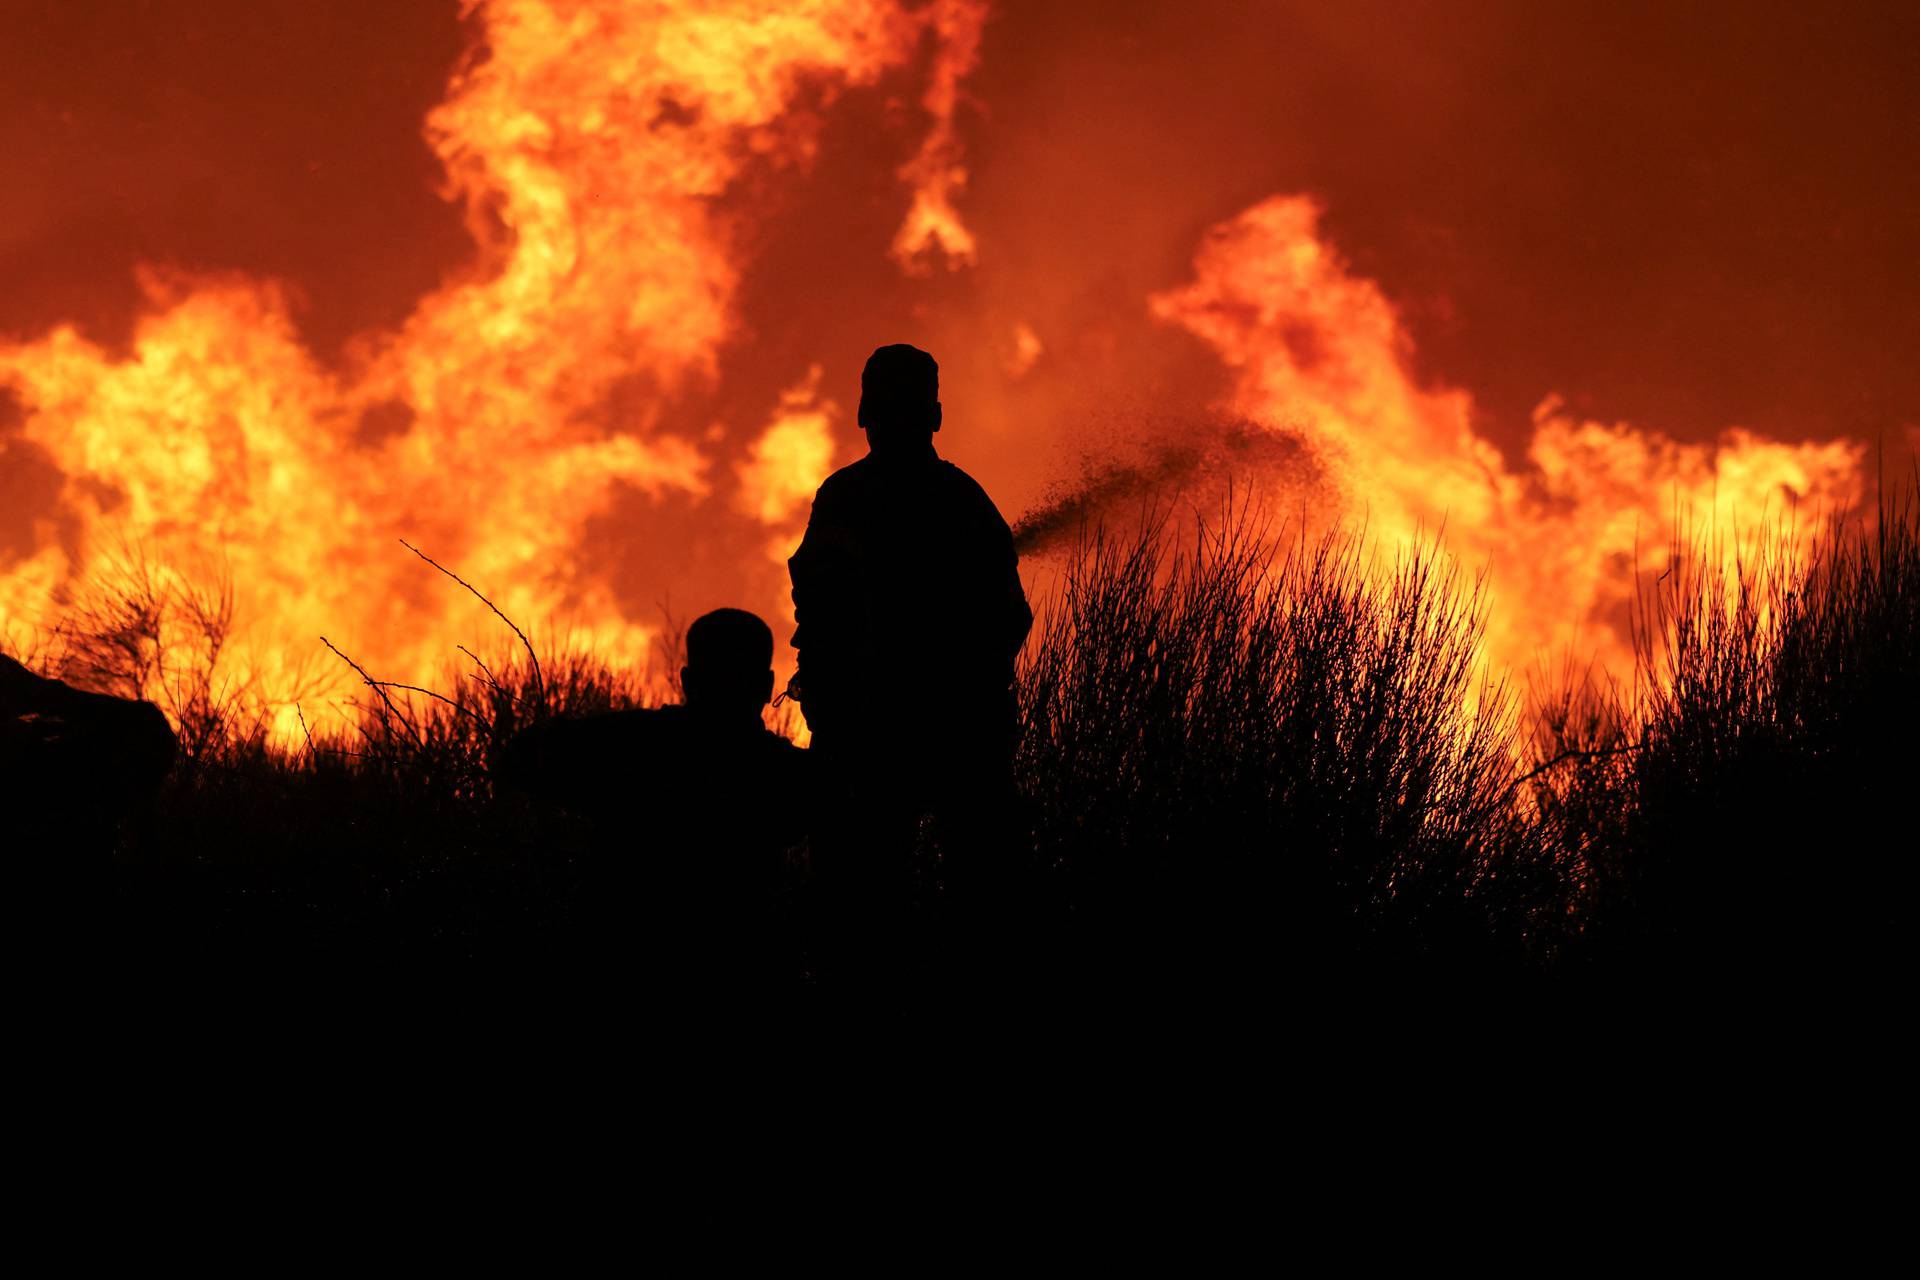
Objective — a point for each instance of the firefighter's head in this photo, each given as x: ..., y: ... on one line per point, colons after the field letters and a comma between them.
x: 899, y: 398
x: 729, y: 669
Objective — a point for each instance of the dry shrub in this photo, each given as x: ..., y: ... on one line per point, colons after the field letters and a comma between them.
x: 1252, y: 750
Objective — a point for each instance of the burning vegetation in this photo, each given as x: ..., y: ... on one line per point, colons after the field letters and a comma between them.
x: 679, y: 224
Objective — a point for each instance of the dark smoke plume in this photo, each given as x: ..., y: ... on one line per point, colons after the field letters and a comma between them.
x: 1221, y: 457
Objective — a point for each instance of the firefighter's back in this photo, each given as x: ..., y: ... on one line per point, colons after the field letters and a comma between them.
x: 911, y: 569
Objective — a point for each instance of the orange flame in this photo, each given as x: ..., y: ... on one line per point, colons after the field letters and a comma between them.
x: 936, y: 172
x: 588, y: 145
x: 786, y: 464
x: 1319, y: 352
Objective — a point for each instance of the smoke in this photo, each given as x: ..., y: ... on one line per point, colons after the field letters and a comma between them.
x: 1213, y: 461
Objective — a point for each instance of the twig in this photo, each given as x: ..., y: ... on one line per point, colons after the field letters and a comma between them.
x: 476, y: 662
x: 1572, y: 753
x: 375, y: 686
x: 539, y: 684
x: 491, y: 682
x: 437, y: 697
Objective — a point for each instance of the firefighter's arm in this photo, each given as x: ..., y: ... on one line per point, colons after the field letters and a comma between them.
x: 1016, y: 615
x: 825, y: 573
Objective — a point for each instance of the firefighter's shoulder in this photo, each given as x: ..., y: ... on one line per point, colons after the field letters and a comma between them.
x: 968, y: 494
x: 848, y: 484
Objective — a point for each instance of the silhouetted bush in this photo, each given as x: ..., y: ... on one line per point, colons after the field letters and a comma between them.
x: 1246, y: 760
x: 1735, y: 816
x: 378, y: 845
x: 1248, y: 754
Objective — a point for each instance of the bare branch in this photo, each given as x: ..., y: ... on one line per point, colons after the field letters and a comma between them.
x: 437, y: 697
x: 311, y: 749
x: 1572, y: 753
x: 538, y: 683
x: 375, y: 686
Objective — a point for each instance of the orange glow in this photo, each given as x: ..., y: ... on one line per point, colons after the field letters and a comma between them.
x: 1318, y: 352
x: 630, y: 175
x: 788, y: 462
x: 935, y: 173
x: 587, y: 146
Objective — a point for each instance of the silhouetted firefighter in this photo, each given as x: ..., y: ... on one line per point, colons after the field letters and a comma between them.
x: 694, y: 807
x: 910, y: 614
x: 74, y: 766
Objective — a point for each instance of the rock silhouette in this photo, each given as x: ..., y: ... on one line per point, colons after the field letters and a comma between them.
x: 74, y: 766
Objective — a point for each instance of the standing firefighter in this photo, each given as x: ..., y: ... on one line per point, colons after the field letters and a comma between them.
x: 909, y: 612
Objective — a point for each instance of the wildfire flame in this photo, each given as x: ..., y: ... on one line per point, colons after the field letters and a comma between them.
x: 1319, y: 352
x: 590, y: 145
x: 587, y: 145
